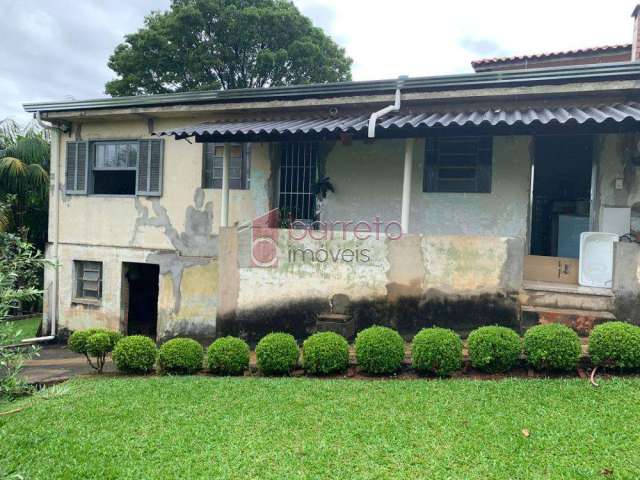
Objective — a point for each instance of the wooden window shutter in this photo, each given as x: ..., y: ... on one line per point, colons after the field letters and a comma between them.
x: 150, y: 159
x: 430, y: 174
x: 76, y: 168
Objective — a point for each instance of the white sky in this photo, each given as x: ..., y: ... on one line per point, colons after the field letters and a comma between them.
x: 56, y: 50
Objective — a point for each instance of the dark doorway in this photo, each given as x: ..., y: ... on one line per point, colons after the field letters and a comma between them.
x: 140, y: 299
x: 561, y: 194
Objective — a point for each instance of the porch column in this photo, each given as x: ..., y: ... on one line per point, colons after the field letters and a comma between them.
x: 224, y: 202
x: 406, y: 183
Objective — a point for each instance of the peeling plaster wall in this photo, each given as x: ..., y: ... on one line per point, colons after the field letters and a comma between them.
x: 368, y: 183
x: 178, y: 231
x: 408, y: 283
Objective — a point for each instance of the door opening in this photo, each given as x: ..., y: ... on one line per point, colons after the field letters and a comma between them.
x: 140, y: 298
x: 561, y: 206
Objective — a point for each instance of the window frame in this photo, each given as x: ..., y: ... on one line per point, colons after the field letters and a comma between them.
x: 92, y: 158
x: 79, y: 270
x: 216, y: 182
x: 482, y: 165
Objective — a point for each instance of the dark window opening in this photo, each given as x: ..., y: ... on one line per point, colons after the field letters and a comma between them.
x: 114, y: 182
x: 458, y: 164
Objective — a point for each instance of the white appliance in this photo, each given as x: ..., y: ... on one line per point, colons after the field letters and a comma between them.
x: 596, y: 259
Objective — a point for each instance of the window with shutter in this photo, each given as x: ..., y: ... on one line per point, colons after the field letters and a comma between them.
x: 458, y: 164
x: 238, y: 166
x: 88, y: 280
x: 76, y: 168
x: 149, y: 180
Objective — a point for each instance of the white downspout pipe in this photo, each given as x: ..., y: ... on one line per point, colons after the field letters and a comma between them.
x: 406, y: 184
x: 224, y: 202
x: 380, y: 113
x: 55, y: 223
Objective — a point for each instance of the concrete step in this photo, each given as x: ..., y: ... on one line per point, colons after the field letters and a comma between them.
x: 562, y: 296
x: 582, y: 321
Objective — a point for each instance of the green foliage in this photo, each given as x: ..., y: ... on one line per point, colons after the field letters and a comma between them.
x: 552, y: 347
x: 135, y: 354
x: 437, y: 350
x: 379, y: 350
x: 213, y: 44
x: 21, y: 267
x: 12, y: 384
x: 324, y: 353
x: 24, y: 181
x: 615, y: 345
x: 94, y: 342
x: 180, y: 355
x: 494, y: 349
x: 277, y: 354
x: 228, y: 356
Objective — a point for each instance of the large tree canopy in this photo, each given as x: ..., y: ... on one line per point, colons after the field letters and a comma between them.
x: 213, y: 44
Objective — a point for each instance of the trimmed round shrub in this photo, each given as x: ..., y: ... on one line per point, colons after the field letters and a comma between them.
x: 78, y: 340
x: 277, y: 354
x: 324, y: 353
x: 99, y: 344
x: 135, y: 354
x: 437, y: 350
x: 552, y: 347
x: 180, y: 355
x: 615, y: 345
x: 379, y: 350
x: 494, y: 349
x: 228, y: 356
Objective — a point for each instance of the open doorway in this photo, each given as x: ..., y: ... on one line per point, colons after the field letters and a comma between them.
x: 560, y: 206
x: 140, y: 298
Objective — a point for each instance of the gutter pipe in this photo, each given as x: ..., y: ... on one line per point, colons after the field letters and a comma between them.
x: 55, y: 164
x: 391, y: 108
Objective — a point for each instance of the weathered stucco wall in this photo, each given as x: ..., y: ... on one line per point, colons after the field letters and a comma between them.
x: 408, y: 283
x: 368, y: 182
x: 613, y: 155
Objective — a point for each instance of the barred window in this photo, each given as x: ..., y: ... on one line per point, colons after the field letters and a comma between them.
x: 88, y: 280
x: 238, y: 166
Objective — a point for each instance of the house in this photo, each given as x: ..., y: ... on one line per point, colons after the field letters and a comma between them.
x: 452, y: 200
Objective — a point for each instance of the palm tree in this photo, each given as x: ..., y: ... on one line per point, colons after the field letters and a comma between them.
x: 24, y: 181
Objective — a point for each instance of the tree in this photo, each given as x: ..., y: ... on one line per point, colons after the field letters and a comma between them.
x: 213, y: 44
x: 24, y: 181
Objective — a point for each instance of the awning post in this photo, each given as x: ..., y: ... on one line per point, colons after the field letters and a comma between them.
x: 224, y: 202
x: 406, y: 183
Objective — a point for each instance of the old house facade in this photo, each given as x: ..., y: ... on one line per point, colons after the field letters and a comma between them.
x: 454, y: 200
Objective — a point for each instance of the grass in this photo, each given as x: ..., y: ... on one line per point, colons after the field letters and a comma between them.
x: 28, y: 327
x: 205, y: 427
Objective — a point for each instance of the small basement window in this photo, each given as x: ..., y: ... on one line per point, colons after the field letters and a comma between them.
x: 458, y: 164
x: 114, y: 166
x: 88, y: 280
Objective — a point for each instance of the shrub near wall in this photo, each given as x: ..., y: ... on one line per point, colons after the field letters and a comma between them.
x: 379, y: 350
x: 436, y: 350
x: 228, y: 356
x: 135, y: 354
x: 494, y: 349
x: 615, y: 345
x: 277, y: 354
x: 180, y: 355
x: 552, y: 347
x: 324, y: 353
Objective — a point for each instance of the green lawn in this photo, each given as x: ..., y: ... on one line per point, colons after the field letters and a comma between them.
x: 28, y: 326
x: 207, y: 427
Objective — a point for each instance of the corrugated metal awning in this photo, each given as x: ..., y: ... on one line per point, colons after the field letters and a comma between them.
x: 615, y: 113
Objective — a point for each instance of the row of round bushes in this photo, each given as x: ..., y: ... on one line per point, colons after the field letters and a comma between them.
x: 380, y: 350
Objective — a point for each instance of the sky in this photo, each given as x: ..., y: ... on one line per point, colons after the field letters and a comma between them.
x: 59, y: 50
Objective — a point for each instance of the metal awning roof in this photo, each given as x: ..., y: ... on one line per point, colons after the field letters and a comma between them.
x: 210, y: 131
